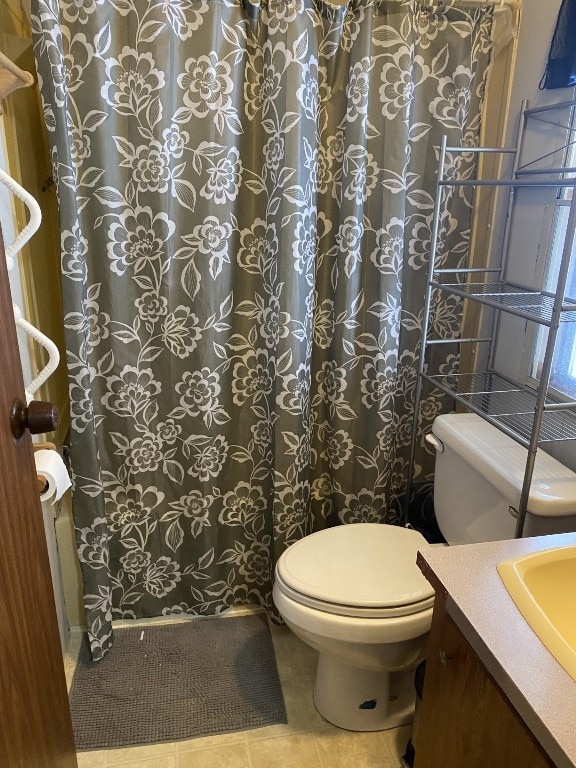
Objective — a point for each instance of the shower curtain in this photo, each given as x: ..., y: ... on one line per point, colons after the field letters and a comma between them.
x: 246, y: 199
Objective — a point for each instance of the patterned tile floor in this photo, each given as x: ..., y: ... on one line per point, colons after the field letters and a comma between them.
x: 306, y: 741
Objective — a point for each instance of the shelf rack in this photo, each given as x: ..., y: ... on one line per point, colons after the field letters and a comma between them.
x: 529, y: 416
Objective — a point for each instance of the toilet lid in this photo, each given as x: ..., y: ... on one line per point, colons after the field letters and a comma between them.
x: 357, y: 569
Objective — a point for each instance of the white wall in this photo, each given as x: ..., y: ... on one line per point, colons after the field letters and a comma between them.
x: 9, y: 233
x: 538, y: 20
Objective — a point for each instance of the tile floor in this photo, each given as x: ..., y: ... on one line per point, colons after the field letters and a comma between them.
x: 306, y: 741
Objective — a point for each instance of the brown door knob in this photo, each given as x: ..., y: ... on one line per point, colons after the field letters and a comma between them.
x: 37, y: 418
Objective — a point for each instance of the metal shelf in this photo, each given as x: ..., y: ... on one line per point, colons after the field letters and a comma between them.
x: 529, y: 417
x: 509, y: 406
x: 508, y: 182
x: 532, y: 305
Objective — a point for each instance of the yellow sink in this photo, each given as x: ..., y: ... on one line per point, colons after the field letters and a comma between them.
x: 543, y: 586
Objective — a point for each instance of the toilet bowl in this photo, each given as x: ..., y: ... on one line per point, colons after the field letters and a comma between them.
x: 356, y: 595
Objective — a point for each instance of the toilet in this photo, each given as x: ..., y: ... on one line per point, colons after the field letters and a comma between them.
x: 478, y: 481
x: 356, y: 595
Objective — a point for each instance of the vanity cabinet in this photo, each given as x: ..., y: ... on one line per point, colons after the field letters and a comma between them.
x: 465, y: 720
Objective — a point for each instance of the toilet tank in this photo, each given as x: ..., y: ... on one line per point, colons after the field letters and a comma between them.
x: 478, y: 481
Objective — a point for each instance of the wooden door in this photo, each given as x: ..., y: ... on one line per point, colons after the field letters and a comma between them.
x: 35, y: 726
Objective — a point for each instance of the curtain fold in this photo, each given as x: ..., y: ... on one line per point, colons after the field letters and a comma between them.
x: 246, y: 198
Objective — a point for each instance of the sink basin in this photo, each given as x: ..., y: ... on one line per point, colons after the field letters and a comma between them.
x: 543, y: 586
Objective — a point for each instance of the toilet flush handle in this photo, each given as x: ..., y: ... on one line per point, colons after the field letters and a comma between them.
x: 433, y: 440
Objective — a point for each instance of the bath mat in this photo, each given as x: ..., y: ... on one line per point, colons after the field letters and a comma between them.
x: 177, y: 681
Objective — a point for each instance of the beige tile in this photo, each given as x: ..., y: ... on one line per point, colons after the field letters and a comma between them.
x: 142, y: 753
x: 296, y: 712
x: 283, y: 657
x: 232, y: 756
x: 315, y: 719
x: 345, y: 749
x: 74, y: 642
x: 162, y: 761
x: 71, y: 655
x: 91, y: 759
x: 69, y: 673
x: 298, y: 751
x: 278, y: 630
x: 397, y: 739
x: 218, y: 740
x: 304, y: 658
x: 73, y: 649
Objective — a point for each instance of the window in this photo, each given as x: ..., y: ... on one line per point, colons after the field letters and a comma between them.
x: 563, y: 372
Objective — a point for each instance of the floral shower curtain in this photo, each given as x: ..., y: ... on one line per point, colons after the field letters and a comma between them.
x: 246, y: 199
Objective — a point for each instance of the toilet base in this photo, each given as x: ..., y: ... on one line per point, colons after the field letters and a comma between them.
x: 360, y: 699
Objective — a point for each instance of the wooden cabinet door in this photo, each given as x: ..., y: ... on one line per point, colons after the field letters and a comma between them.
x: 465, y: 721
x: 35, y: 726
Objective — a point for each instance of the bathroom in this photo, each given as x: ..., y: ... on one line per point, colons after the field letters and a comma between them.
x: 516, y: 72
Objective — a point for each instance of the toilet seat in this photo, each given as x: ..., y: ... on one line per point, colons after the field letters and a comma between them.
x: 363, y: 570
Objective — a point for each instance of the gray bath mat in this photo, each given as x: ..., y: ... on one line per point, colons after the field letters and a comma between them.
x: 177, y: 681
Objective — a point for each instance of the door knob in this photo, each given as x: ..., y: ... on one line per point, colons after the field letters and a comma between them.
x: 38, y: 417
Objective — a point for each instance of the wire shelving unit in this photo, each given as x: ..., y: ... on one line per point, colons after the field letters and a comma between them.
x: 530, y: 416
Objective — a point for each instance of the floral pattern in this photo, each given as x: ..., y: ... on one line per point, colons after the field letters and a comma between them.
x: 246, y: 199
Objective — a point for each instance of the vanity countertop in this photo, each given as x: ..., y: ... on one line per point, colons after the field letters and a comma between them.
x: 543, y: 694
